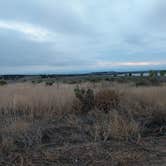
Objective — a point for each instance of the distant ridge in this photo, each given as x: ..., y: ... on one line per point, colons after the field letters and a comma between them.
x: 16, y: 76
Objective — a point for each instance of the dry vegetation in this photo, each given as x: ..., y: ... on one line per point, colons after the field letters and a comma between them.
x: 86, y: 124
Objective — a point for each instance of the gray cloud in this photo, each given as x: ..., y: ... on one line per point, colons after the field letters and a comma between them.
x: 76, y: 35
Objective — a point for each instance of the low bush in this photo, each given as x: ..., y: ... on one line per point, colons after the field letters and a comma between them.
x: 85, y: 99
x: 49, y: 83
x: 142, y: 82
x: 3, y: 82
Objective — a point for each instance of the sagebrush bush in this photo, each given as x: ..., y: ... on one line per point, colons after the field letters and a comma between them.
x: 85, y: 99
x: 49, y: 83
x: 107, y: 99
x: 3, y: 82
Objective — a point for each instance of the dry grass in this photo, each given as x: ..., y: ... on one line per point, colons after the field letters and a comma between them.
x: 36, y: 100
x: 123, y: 128
x: 34, y: 116
x: 114, y: 126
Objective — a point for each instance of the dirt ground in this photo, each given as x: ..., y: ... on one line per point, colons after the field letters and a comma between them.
x: 72, y: 146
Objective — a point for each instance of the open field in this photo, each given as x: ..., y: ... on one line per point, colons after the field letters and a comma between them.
x: 89, y: 123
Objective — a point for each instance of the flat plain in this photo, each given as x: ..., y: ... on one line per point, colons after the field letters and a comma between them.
x: 88, y: 123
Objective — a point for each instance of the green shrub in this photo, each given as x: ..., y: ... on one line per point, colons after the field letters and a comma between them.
x: 86, y: 99
x: 49, y: 83
x: 152, y: 73
x: 162, y: 73
x: 94, y: 80
x: 33, y: 82
x: 3, y: 82
x: 142, y: 82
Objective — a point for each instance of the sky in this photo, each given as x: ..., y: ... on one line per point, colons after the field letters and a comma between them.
x: 79, y: 36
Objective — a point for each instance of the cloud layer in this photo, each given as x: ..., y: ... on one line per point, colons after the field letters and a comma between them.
x: 80, y: 36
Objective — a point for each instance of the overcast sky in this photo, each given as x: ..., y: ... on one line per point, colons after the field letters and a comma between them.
x: 56, y: 36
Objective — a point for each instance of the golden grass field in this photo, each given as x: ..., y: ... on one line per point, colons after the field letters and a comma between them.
x: 112, y: 124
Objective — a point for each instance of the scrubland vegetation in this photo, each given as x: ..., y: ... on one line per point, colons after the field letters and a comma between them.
x: 104, y: 123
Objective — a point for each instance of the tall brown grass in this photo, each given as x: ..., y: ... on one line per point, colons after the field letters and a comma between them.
x: 22, y: 104
x: 36, y: 100
x: 34, y: 115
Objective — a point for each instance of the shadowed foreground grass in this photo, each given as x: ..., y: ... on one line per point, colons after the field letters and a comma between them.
x: 85, y: 124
